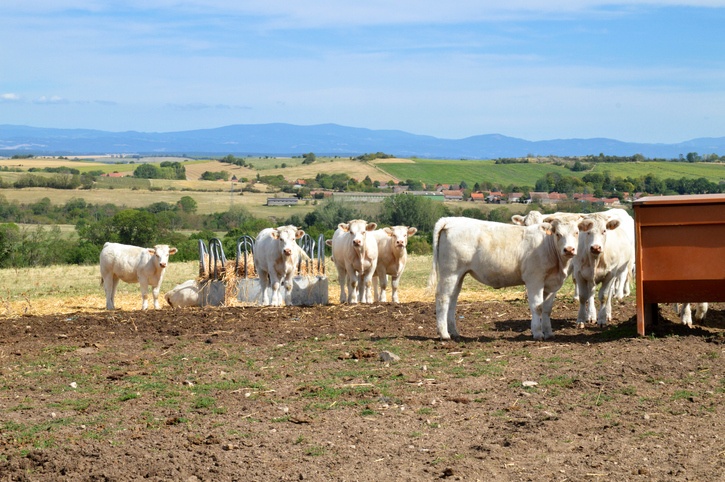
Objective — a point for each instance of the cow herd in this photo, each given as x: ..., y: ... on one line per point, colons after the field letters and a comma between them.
x: 536, y: 251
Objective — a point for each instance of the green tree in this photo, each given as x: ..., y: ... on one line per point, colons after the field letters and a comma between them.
x: 187, y: 204
x: 408, y: 210
x: 135, y: 227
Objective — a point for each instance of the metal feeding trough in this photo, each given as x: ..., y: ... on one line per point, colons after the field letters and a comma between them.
x: 248, y: 287
x: 309, y: 285
x: 212, y: 265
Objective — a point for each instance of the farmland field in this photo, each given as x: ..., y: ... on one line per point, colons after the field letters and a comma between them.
x: 302, y: 393
x: 453, y: 172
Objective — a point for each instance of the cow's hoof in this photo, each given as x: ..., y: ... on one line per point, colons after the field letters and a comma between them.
x: 580, y: 324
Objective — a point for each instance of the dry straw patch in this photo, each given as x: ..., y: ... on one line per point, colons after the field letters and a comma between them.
x: 70, y: 289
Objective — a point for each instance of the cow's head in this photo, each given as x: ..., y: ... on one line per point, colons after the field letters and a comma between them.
x: 161, y: 253
x: 287, y: 235
x: 400, y: 235
x: 595, y: 227
x: 531, y: 218
x: 357, y: 229
x: 565, y: 229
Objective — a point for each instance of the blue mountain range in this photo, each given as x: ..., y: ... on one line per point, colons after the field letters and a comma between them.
x: 324, y: 140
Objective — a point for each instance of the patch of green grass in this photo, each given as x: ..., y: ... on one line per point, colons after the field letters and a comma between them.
x: 201, y: 403
x: 315, y: 451
x: 127, y: 395
x: 558, y: 381
x: 682, y: 395
x: 368, y: 412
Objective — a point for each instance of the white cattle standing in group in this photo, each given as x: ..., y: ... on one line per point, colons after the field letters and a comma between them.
x: 500, y: 255
x: 605, y: 255
x: 133, y: 264
x: 355, y: 253
x: 392, y: 256
x: 276, y: 255
x: 531, y: 218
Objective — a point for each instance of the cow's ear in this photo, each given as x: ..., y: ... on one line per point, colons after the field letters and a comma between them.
x: 152, y: 251
x: 517, y: 219
x: 585, y: 225
x: 412, y: 231
x: 388, y: 231
x: 172, y: 251
x: 344, y: 226
x: 547, y: 228
x: 371, y: 227
x: 274, y: 233
x: 613, y: 224
x: 299, y: 234
x: 328, y: 242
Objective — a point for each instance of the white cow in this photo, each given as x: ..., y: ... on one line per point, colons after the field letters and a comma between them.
x: 392, y: 256
x: 132, y: 264
x: 500, y: 255
x: 622, y: 285
x: 185, y: 294
x: 685, y: 312
x: 531, y: 218
x: 276, y: 255
x: 355, y: 253
x: 605, y: 255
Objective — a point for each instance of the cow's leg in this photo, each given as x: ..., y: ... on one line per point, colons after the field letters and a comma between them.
x: 155, y: 292
x: 394, y: 282
x: 263, y: 285
x: 342, y: 279
x: 605, y: 300
x: 685, y: 314
x: 376, y: 293
x: 144, y: 293
x: 274, y: 282
x: 110, y: 283
x: 367, y: 288
x: 353, y: 286
x: 383, y: 287
x: 583, y: 292
x: 288, y: 289
x: 446, y: 298
x: 535, y: 294
x: 591, y: 302
x: 547, y: 306
x: 700, y: 311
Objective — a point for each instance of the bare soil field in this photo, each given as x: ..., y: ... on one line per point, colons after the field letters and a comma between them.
x: 312, y: 393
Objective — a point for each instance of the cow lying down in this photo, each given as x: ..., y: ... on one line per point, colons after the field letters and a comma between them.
x: 500, y: 255
x: 185, y: 294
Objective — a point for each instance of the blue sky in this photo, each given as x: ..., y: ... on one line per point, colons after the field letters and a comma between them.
x: 641, y: 71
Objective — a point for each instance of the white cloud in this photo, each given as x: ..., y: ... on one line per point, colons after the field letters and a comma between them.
x: 9, y: 97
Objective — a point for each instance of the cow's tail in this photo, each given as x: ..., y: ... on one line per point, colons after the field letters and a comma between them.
x: 433, y: 278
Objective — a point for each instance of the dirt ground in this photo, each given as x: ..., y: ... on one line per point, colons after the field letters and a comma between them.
x: 302, y: 393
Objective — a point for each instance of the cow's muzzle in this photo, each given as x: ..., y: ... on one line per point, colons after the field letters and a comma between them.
x: 596, y: 249
x: 569, y: 251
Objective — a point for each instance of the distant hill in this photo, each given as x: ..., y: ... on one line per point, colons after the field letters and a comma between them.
x: 324, y: 139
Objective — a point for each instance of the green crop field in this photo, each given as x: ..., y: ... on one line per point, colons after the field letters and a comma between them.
x: 453, y: 172
x: 432, y: 171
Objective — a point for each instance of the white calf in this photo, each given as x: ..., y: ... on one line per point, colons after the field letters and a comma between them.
x: 392, y: 256
x: 605, y: 254
x: 276, y: 255
x: 132, y: 264
x: 355, y: 252
x: 185, y: 294
x: 531, y: 218
x: 501, y: 255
